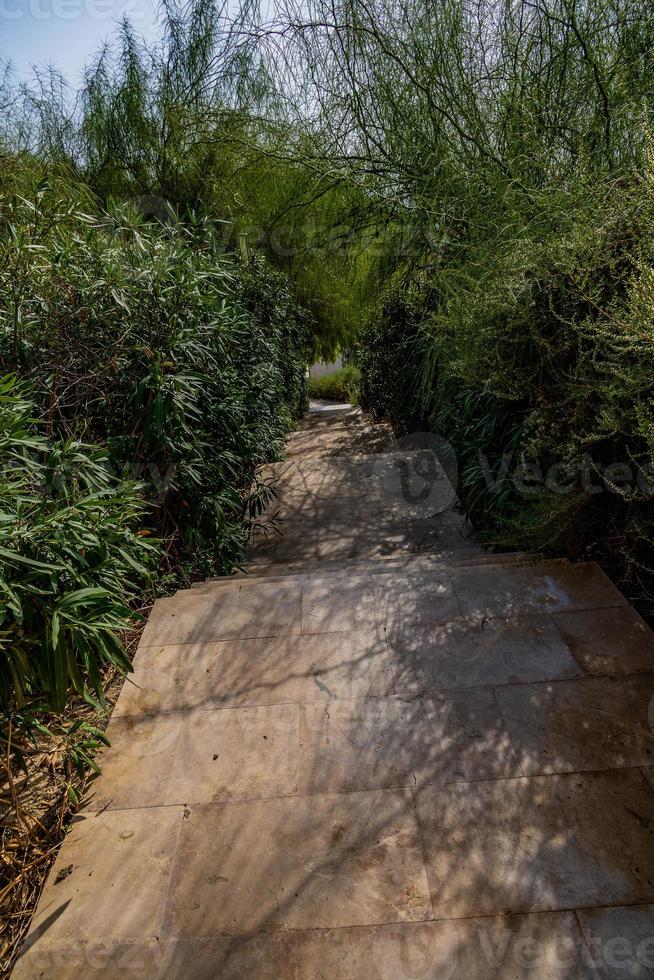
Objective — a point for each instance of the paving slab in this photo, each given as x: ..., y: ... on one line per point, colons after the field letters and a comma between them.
x: 540, y: 843
x: 382, y: 538
x: 298, y: 863
x: 468, y: 654
x: 413, y: 483
x: 552, y: 588
x: 426, y: 597
x: 339, y: 476
x: 620, y: 940
x: 570, y: 726
x: 378, y: 600
x: 332, y: 437
x: 547, y: 946
x: 225, y: 615
x: 391, y: 742
x: 110, y: 880
x: 335, y: 608
x: 96, y: 959
x: 433, y: 560
x: 267, y: 670
x: 136, y: 767
x: 542, y: 947
x: 199, y: 757
x: 608, y: 641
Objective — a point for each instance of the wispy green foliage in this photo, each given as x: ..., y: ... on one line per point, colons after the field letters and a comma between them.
x: 341, y: 385
x: 518, y: 325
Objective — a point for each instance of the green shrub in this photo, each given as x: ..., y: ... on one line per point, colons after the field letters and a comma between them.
x: 339, y: 386
x: 538, y: 357
x: 186, y: 364
x: 72, y: 560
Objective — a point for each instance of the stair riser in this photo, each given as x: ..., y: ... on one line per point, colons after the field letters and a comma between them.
x: 296, y: 569
x: 352, y: 576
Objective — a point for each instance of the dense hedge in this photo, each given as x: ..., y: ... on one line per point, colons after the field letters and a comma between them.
x: 188, y: 365
x: 534, y: 359
x: 183, y: 366
x: 71, y: 560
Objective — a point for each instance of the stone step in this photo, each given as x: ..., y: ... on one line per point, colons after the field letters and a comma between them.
x: 452, y: 557
x: 397, y: 598
x: 324, y: 570
x: 268, y: 570
x: 387, y: 751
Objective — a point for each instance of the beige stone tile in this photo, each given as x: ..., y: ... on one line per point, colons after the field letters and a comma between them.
x: 540, y: 947
x: 420, y: 598
x: 395, y: 539
x: 620, y: 940
x: 547, y: 946
x: 137, y: 765
x: 308, y: 542
x: 467, y: 654
x: 592, y: 723
x: 389, y: 742
x: 304, y: 668
x: 303, y: 543
x: 226, y: 615
x: 335, y: 476
x: 334, y: 437
x: 199, y: 757
x: 236, y: 583
x: 544, y: 947
x: 301, y: 862
x: 538, y: 843
x: 267, y: 670
x: 377, y: 600
x: 168, y: 657
x: 97, y: 959
x: 608, y: 641
x: 236, y: 753
x: 262, y: 957
x: 109, y: 882
x: 412, y: 483
x: 152, y: 691
x: 335, y: 608
x: 550, y: 587
x: 362, y: 744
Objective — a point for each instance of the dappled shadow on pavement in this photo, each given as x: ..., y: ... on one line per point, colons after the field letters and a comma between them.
x: 431, y: 771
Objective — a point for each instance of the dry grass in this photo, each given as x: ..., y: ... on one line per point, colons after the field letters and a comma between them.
x: 35, y: 808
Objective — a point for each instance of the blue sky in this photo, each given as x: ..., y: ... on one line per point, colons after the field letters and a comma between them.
x: 65, y: 33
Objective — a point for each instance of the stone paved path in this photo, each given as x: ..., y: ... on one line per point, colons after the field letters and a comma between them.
x: 380, y: 754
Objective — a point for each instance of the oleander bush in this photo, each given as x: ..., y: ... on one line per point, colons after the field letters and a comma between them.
x: 186, y: 364
x: 73, y: 557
